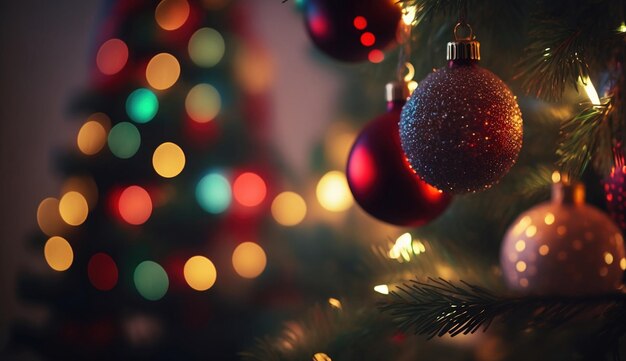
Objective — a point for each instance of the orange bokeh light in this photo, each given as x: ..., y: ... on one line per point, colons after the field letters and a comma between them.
x: 376, y: 56
x: 135, y: 205
x: 249, y: 189
x: 172, y: 14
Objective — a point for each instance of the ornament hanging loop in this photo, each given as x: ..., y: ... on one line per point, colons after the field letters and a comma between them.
x: 466, y: 28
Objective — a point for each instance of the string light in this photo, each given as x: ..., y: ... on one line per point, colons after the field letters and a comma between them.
x: 203, y: 103
x: 135, y: 205
x: 168, y: 160
x: 112, y: 56
x: 200, y: 273
x: 249, y: 189
x: 382, y: 289
x: 73, y: 208
x: 333, y: 192
x: 151, y: 280
x: 288, y: 209
x: 249, y: 260
x: 91, y: 137
x: 124, y: 140
x: 142, y: 105
x: 171, y: 14
x: 162, y: 71
x: 590, y: 90
x: 213, y: 193
x: 58, y: 253
x: 206, y: 47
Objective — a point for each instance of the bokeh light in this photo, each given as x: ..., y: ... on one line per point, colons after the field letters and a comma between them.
x: 102, y: 271
x: 203, y: 103
x: 91, y: 137
x: 171, y: 14
x: 58, y: 253
x: 368, y: 39
x: 360, y: 23
x: 162, y: 71
x: 213, y: 193
x: 254, y: 68
x: 168, y: 160
x: 73, y: 208
x: 49, y: 219
x: 376, y: 56
x: 112, y: 56
x: 142, y: 105
x: 288, y: 209
x: 85, y: 185
x: 124, y: 140
x: 151, y: 280
x: 249, y: 260
x: 333, y: 192
x: 135, y: 205
x: 206, y: 47
x: 200, y: 273
x: 249, y: 189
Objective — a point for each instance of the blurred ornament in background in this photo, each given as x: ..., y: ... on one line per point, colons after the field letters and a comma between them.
x: 462, y: 128
x: 563, y: 247
x: 379, y: 176
x: 352, y: 30
x: 615, y: 190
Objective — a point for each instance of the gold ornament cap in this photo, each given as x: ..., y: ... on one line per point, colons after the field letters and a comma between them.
x: 568, y: 193
x: 463, y: 48
x: 396, y: 91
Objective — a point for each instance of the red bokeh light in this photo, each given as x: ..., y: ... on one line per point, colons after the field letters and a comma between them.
x: 360, y: 22
x: 368, y: 39
x: 112, y: 56
x: 102, y: 272
x: 135, y: 205
x: 376, y: 56
x: 249, y: 189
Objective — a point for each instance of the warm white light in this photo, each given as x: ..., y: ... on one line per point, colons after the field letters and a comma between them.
x: 408, y: 14
x: 590, y: 90
x: 382, y: 289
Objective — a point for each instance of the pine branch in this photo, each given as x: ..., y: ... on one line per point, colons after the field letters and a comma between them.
x: 441, y: 307
x: 580, y: 138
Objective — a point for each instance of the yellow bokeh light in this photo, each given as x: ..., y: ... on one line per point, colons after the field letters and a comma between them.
x: 91, y: 137
x: 520, y: 245
x: 556, y: 176
x: 520, y: 266
x: 206, y: 47
x: 320, y: 356
x: 49, y: 219
x: 200, y: 273
x: 531, y: 231
x: 203, y: 103
x: 608, y: 258
x: 249, y: 260
x: 622, y: 264
x: 73, y: 208
x: 335, y: 303
x: 58, y: 253
x: 168, y: 160
x: 339, y: 140
x: 162, y: 71
x: 544, y: 250
x: 288, y: 209
x: 333, y: 192
x: 171, y: 14
x: 549, y: 218
x: 85, y: 185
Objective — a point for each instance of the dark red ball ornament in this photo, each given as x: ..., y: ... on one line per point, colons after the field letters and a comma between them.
x: 352, y: 30
x: 380, y: 178
x: 615, y: 191
x: 462, y: 128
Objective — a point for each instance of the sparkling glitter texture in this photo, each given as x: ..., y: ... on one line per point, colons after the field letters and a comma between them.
x: 615, y: 191
x: 563, y: 248
x: 461, y: 129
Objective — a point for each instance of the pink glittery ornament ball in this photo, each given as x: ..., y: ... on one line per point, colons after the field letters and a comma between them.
x: 615, y: 192
x: 462, y: 128
x: 563, y: 247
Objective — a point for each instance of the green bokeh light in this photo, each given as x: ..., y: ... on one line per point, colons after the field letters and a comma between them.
x: 142, y: 105
x: 151, y: 280
x: 206, y: 47
x: 213, y: 193
x: 124, y: 140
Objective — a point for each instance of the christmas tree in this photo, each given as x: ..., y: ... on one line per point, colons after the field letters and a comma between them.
x: 452, y: 226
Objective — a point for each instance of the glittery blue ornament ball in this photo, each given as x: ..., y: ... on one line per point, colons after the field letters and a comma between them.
x: 461, y: 130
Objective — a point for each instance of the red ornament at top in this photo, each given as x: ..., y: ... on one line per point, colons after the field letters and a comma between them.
x: 380, y: 178
x: 352, y: 30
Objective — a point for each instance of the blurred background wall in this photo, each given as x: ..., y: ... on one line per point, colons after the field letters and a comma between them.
x: 46, y: 53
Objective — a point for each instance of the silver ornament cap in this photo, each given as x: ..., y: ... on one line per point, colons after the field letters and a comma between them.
x: 463, y: 48
x: 397, y: 91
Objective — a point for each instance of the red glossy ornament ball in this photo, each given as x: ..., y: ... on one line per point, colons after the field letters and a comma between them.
x: 352, y: 30
x: 462, y: 128
x: 381, y: 180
